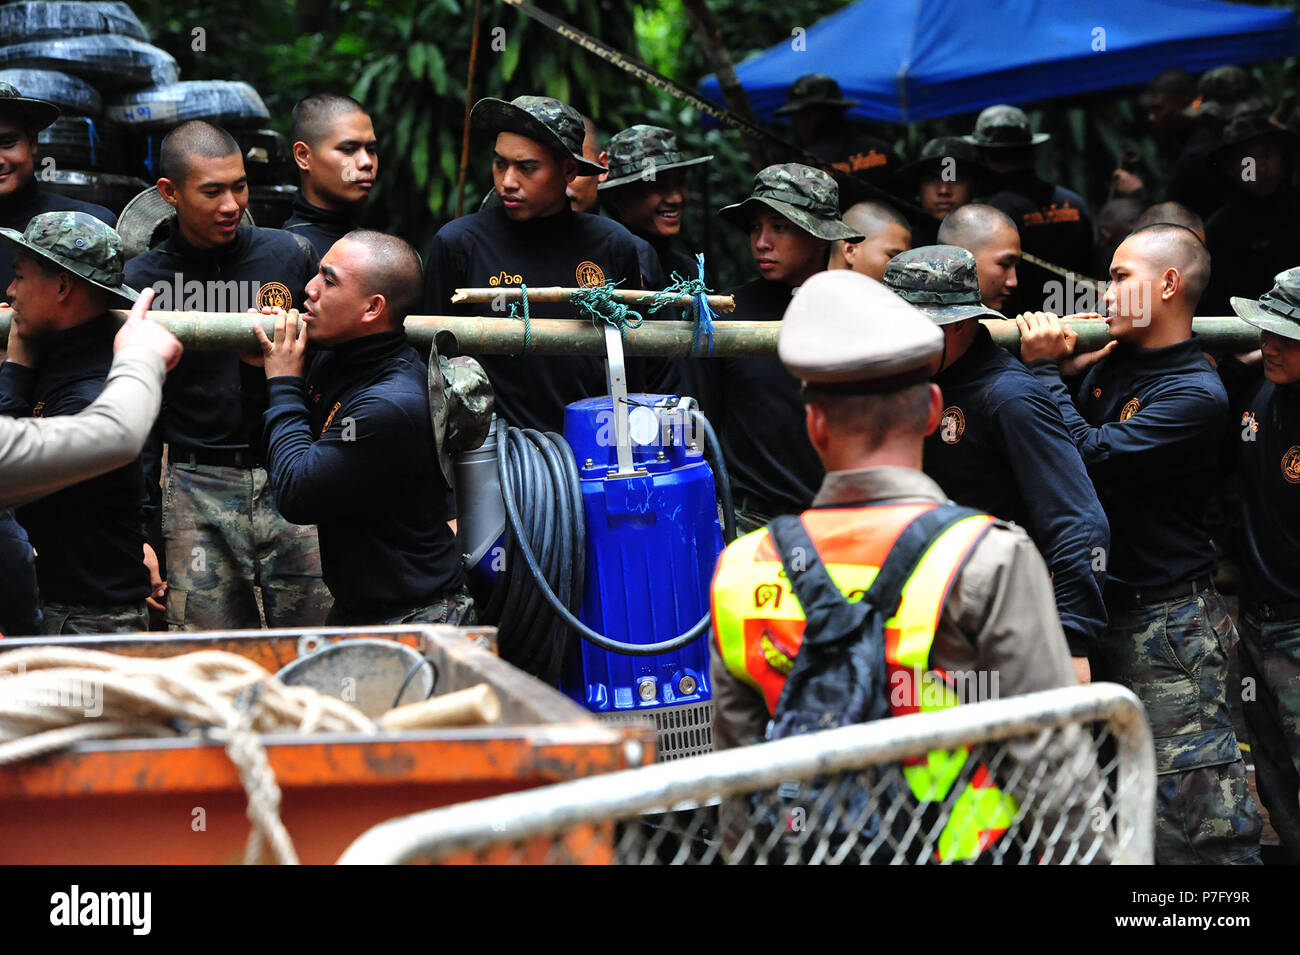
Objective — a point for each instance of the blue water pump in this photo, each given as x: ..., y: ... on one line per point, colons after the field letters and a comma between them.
x: 593, y: 553
x: 653, y: 539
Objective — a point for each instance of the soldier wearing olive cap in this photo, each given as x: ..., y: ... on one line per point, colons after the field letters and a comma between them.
x: 647, y: 191
x: 89, y: 538
x: 1253, y: 234
x: 21, y: 118
x: 945, y: 176
x: 1054, y: 222
x: 533, y: 238
x: 792, y: 217
x: 1002, y: 446
x: 865, y: 358
x: 817, y: 109
x: 1266, y: 432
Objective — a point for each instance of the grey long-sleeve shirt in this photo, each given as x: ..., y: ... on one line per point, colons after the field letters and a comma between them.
x: 39, y: 456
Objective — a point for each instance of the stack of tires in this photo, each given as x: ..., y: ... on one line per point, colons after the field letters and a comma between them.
x: 148, y: 114
x: 119, y: 96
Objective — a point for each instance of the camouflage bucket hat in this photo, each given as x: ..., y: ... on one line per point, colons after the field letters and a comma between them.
x: 1278, y: 309
x: 460, y: 404
x: 78, y: 243
x: 806, y: 196
x: 35, y: 113
x: 1246, y: 126
x: 1004, y: 127
x: 1217, y: 91
x: 548, y: 121
x: 640, y: 152
x: 814, y: 89
x: 941, y: 281
x: 965, y: 160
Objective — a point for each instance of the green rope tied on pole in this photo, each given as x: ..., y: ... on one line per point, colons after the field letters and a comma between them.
x: 598, y: 301
x: 527, y: 319
x: 701, y: 314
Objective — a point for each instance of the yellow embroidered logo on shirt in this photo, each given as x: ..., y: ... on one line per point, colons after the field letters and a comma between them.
x: 589, y: 274
x: 952, y: 425
x: 275, y: 295
x: 326, y: 426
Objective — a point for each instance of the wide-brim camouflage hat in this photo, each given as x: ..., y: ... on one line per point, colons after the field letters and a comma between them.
x: 639, y: 153
x: 966, y: 161
x: 806, y: 196
x: 461, y: 402
x: 1004, y: 127
x: 815, y: 89
x: 141, y: 223
x: 941, y: 281
x: 79, y: 243
x: 1248, y: 125
x: 548, y: 121
x: 35, y: 114
x: 1277, y: 310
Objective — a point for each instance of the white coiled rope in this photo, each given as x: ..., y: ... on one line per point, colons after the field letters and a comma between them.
x: 43, y: 708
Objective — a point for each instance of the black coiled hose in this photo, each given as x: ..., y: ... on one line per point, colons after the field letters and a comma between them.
x: 538, y: 475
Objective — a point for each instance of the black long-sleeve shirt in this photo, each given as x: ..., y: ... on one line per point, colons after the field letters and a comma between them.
x: 1002, y: 447
x: 212, y: 400
x: 1149, y: 426
x: 350, y: 449
x: 1265, y: 427
x: 17, y: 209
x: 759, y: 407
x: 488, y: 250
x: 89, y: 538
x: 1054, y: 224
x: 321, y: 227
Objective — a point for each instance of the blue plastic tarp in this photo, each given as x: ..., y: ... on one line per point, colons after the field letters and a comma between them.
x: 908, y: 60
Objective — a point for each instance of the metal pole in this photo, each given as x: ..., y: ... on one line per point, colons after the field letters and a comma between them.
x: 210, y: 331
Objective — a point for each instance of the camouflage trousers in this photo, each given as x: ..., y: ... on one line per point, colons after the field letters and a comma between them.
x: 62, y: 618
x: 1174, y: 656
x: 456, y: 609
x: 1270, y: 662
x: 223, y: 536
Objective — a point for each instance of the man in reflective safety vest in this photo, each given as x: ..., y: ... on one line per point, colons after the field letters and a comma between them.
x: 977, y: 618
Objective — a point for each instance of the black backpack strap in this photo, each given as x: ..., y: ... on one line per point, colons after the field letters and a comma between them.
x: 829, y: 615
x: 887, y: 588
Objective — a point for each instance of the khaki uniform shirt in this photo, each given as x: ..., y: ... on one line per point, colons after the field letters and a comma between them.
x: 999, y: 617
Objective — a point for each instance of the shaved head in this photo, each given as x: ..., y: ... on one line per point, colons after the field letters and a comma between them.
x: 1168, y: 246
x: 392, y: 270
x: 887, y: 234
x: 195, y: 138
x: 314, y: 115
x: 973, y: 225
x: 872, y: 218
x: 1171, y: 213
x: 991, y: 236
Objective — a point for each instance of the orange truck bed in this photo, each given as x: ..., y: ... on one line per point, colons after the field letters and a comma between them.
x: 181, y: 801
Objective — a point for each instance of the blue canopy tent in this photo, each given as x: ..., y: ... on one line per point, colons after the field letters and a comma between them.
x: 908, y: 60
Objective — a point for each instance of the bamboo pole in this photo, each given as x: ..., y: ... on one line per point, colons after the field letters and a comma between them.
x: 209, y: 331
x: 628, y: 296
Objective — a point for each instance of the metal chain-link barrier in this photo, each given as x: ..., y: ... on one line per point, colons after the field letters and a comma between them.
x: 1059, y: 777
